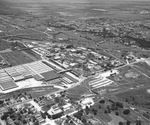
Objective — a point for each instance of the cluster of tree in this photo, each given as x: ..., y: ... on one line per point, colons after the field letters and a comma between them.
x: 131, y: 100
x: 137, y: 122
x: 79, y: 114
x: 109, y: 108
x: 19, y: 118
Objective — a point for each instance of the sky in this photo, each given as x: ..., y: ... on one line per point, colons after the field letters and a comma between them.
x: 35, y: 5
x: 4, y: 3
x: 45, y: 1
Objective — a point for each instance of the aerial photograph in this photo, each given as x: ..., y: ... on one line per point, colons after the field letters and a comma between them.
x: 74, y: 62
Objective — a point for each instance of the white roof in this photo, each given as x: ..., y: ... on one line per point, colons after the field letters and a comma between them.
x: 67, y: 105
x: 87, y: 101
x: 53, y: 111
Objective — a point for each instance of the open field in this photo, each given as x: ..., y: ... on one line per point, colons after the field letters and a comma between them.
x: 32, y: 53
x: 143, y: 67
x: 1, y: 58
x: 25, y: 34
x: 16, y: 58
x: 129, y: 77
x: 107, y: 111
x: 120, y: 54
x: 35, y: 92
x: 138, y: 97
x: 100, y: 114
x: 117, y: 50
x: 79, y: 90
x: 114, y: 112
x: 115, y: 46
x: 4, y: 45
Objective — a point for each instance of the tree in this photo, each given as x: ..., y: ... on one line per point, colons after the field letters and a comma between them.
x: 68, y: 117
x: 128, y: 122
x: 100, y: 107
x: 114, y: 107
x: 107, y: 106
x: 24, y: 122
x: 16, y: 123
x: 78, y: 115
x: 69, y: 46
x: 117, y: 113
x: 87, y: 110
x: 119, y: 104
x: 109, y: 110
x: 4, y: 117
x: 138, y: 122
x: 90, y: 56
x: 57, y: 99
x: 49, y: 116
x: 94, y: 111
x: 43, y: 115
x: 126, y: 112
x: 102, y: 101
x: 104, y: 32
x: 105, y: 112
x: 120, y: 123
x: 84, y: 120
x: 36, y: 123
x: 1, y: 102
x: 71, y: 121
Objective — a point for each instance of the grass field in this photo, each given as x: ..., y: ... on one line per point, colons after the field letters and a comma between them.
x: 143, y: 67
x: 118, y: 54
x: 100, y: 114
x: 130, y: 77
x: 32, y: 53
x: 26, y: 34
x: 4, y: 45
x: 35, y: 92
x: 139, y: 97
x: 1, y: 58
x: 16, y: 58
x: 79, y: 90
x: 42, y: 91
x: 115, y: 119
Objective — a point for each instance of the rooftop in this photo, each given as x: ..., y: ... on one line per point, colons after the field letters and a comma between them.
x: 8, y: 85
x: 50, y: 75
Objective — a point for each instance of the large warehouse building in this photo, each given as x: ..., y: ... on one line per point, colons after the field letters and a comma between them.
x: 32, y: 75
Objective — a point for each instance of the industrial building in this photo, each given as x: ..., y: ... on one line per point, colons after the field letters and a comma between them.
x: 32, y: 75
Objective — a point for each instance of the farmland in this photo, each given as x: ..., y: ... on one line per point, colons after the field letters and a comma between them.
x: 14, y: 53
x: 16, y: 58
